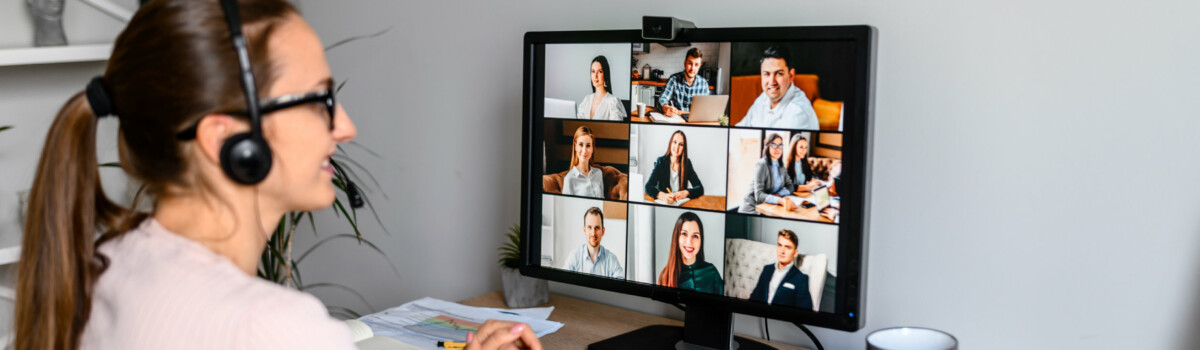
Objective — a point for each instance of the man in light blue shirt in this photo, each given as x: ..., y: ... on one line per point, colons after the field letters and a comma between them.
x: 591, y: 257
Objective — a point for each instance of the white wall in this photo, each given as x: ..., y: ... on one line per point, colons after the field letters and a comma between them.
x: 1023, y: 236
x: 1002, y: 110
x: 568, y: 67
x: 705, y: 146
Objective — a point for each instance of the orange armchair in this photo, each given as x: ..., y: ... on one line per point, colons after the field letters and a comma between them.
x: 616, y: 183
x: 746, y: 88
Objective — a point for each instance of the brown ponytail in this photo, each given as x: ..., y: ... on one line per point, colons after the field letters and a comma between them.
x: 172, y: 65
x: 66, y: 207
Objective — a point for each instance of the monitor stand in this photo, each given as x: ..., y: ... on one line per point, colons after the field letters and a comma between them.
x: 704, y: 328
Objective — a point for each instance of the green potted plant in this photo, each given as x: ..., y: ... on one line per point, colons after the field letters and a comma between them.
x: 519, y: 291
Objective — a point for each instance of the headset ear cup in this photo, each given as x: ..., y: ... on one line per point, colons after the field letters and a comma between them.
x: 245, y: 159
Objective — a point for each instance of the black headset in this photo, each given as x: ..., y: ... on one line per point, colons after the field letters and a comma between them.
x: 246, y: 157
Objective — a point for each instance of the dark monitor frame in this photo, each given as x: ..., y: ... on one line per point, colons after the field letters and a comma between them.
x: 849, y: 302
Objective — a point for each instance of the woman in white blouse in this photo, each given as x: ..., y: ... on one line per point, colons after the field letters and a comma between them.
x: 584, y: 179
x: 601, y: 104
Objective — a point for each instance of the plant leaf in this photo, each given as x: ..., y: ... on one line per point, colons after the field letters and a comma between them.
x: 342, y: 287
x: 356, y: 38
x: 360, y: 146
x: 360, y: 240
x: 352, y: 220
x: 353, y: 173
x: 344, y: 311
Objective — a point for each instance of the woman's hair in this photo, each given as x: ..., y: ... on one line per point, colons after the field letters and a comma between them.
x: 581, y: 131
x: 682, y: 157
x: 792, y: 157
x: 607, y: 73
x: 669, y: 276
x: 766, y: 153
x: 172, y: 65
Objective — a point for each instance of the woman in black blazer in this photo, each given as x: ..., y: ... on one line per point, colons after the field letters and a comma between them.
x: 673, y: 173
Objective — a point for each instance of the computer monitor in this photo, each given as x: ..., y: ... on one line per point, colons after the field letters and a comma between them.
x: 761, y: 212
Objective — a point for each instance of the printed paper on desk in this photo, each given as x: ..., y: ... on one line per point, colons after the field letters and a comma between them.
x: 662, y: 118
x: 427, y: 321
x: 677, y: 203
x: 540, y: 313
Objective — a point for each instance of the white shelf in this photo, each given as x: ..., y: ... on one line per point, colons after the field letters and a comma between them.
x: 54, y: 54
x: 10, y: 255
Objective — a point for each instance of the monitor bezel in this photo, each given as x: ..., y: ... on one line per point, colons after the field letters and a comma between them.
x: 850, y: 291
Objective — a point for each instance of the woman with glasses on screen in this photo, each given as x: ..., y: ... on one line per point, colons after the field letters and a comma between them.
x: 771, y: 183
x: 601, y: 104
x: 798, y: 168
x: 94, y: 274
x: 673, y: 173
x: 584, y: 179
x: 686, y: 267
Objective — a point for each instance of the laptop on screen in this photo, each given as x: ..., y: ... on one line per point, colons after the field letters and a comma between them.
x: 707, y: 108
x: 561, y: 109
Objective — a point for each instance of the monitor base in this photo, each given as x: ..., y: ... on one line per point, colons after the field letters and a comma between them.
x: 665, y: 337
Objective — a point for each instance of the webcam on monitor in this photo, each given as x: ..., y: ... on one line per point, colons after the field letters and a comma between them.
x: 663, y: 28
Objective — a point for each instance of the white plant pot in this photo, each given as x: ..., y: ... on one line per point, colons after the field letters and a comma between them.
x: 523, y: 291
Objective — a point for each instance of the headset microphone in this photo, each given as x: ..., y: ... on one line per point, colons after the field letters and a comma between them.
x: 356, y: 200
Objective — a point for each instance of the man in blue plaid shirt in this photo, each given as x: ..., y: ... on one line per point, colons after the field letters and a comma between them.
x: 677, y: 93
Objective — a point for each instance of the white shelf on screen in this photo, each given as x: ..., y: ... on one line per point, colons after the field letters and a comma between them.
x: 54, y: 54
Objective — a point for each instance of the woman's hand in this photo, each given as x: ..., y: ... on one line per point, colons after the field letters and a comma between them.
x: 681, y: 195
x: 666, y: 197
x: 788, y: 205
x: 503, y: 335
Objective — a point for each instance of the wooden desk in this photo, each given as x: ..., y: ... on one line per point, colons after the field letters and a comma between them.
x: 633, y: 116
x: 585, y: 322
x: 660, y: 83
x: 646, y: 120
x: 702, y: 202
x: 802, y: 213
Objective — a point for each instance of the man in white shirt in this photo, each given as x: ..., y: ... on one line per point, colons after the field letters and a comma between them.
x: 782, y: 105
x: 782, y: 283
x: 591, y: 257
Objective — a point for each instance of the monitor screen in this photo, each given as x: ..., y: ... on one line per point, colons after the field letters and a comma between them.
x: 726, y: 168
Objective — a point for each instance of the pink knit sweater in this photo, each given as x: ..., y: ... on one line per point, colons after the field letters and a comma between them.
x: 165, y: 291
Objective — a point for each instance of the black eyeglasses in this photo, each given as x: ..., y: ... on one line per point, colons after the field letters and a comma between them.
x: 325, y: 97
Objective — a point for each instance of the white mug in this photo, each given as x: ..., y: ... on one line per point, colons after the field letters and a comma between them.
x: 641, y: 109
x: 905, y: 338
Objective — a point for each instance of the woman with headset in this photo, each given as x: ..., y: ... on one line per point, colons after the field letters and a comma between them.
x: 184, y: 81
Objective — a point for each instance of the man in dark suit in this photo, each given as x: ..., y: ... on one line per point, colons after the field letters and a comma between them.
x: 782, y: 283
